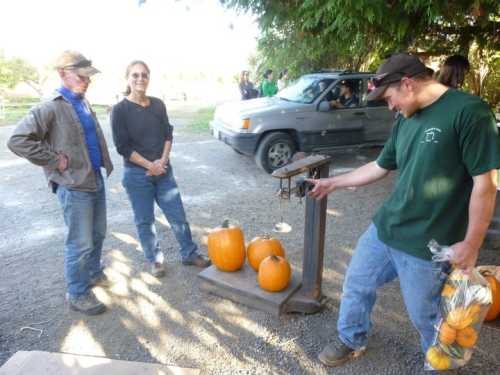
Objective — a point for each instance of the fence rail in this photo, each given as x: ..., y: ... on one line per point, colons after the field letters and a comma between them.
x: 11, y: 111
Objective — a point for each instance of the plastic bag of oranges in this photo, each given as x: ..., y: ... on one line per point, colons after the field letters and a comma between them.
x: 465, y: 300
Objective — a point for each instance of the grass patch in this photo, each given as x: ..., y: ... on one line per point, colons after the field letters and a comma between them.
x: 199, y: 122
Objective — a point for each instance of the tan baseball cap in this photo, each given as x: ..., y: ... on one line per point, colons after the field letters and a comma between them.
x: 73, y: 60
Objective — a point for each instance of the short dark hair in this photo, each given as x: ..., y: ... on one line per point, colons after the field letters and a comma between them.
x: 283, y: 73
x: 267, y: 73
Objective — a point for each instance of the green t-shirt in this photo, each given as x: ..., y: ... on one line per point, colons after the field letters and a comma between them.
x: 269, y: 88
x: 437, y: 151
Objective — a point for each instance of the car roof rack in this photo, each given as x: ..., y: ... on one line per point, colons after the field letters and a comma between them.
x: 329, y: 71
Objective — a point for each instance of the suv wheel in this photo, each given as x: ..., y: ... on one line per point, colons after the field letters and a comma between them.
x: 274, y: 151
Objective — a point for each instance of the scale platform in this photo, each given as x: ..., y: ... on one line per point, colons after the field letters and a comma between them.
x: 242, y: 287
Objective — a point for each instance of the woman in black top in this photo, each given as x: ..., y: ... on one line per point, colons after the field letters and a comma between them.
x: 247, y: 89
x: 143, y: 136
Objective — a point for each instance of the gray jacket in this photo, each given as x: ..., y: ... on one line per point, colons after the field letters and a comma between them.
x: 52, y: 127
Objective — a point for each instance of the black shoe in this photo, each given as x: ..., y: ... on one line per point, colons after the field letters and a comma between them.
x: 197, y: 260
x: 86, y: 304
x: 338, y: 353
x: 157, y: 269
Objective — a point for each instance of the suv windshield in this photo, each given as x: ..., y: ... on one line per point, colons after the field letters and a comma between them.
x: 305, y: 90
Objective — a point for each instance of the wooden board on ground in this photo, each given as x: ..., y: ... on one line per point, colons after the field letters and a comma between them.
x: 44, y: 363
x: 242, y: 287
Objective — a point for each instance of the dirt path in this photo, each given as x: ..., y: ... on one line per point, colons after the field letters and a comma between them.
x: 170, y: 320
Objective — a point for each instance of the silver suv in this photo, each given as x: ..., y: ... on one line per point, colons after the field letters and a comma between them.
x: 319, y: 112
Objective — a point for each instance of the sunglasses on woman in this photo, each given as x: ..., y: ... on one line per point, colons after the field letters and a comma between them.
x: 140, y: 75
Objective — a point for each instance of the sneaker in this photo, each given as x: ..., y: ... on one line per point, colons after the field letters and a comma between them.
x: 157, y: 269
x: 338, y: 353
x: 197, y: 260
x: 102, y: 280
x: 86, y: 304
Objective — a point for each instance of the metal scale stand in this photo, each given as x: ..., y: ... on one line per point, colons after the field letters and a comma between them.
x: 303, y: 293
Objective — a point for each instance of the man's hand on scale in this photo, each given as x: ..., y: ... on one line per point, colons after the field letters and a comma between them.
x: 322, y: 187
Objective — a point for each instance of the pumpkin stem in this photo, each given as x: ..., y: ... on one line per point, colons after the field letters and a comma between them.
x: 274, y: 258
x: 225, y: 223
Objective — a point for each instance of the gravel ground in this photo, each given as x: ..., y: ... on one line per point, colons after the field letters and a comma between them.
x: 170, y: 320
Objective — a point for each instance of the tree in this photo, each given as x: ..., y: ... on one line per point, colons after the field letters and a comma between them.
x: 14, y: 71
x: 357, y: 34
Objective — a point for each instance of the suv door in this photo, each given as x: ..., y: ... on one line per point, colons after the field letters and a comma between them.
x: 378, y: 119
x: 341, y: 126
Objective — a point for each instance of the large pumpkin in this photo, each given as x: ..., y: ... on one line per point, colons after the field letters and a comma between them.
x: 274, y: 273
x: 226, y: 247
x: 494, y: 310
x: 261, y: 247
x: 437, y: 358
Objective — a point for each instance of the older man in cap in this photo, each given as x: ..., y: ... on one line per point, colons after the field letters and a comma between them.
x: 63, y: 136
x: 445, y: 147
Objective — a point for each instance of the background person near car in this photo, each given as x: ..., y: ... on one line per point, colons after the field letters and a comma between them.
x: 446, y: 150
x: 268, y: 86
x: 282, y: 79
x: 246, y: 87
x: 63, y: 136
x: 143, y: 136
x: 453, y: 71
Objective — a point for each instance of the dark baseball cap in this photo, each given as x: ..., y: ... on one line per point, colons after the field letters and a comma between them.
x: 73, y: 60
x: 393, y: 70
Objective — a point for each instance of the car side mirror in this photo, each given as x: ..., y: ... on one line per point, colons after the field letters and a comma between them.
x: 324, y: 106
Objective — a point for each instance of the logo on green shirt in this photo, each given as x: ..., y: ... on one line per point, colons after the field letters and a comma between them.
x: 431, y: 135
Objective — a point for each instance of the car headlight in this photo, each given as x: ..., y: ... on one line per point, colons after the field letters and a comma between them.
x: 245, y: 123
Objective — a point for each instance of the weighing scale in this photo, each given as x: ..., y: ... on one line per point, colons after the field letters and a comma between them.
x: 303, y: 293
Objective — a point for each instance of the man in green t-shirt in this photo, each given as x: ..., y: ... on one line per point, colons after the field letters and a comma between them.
x: 445, y: 147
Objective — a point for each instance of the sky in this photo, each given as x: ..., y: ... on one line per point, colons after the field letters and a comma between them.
x: 175, y: 37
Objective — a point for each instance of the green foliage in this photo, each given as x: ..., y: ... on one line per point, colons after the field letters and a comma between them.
x: 357, y: 34
x: 14, y: 71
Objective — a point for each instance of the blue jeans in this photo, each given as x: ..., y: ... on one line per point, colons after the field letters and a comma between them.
x: 85, y: 218
x: 372, y: 265
x: 143, y: 191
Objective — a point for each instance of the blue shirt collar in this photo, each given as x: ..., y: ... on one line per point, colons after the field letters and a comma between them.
x: 68, y: 94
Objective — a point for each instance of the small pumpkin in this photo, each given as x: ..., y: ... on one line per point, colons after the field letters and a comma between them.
x: 494, y: 310
x: 460, y: 318
x: 226, y: 247
x: 261, y: 247
x: 437, y: 358
x: 274, y: 273
x: 447, y: 334
x: 467, y: 337
x: 448, y: 290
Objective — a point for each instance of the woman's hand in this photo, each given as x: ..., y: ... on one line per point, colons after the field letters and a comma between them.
x: 157, y: 168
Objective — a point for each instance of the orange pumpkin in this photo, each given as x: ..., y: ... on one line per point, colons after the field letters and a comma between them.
x: 274, y: 273
x: 467, y: 337
x: 494, y: 310
x: 437, y: 358
x: 226, y: 247
x: 447, y: 334
x: 261, y: 247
